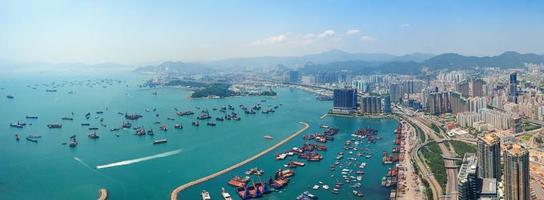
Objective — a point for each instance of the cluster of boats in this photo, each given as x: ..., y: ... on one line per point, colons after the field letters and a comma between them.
x: 246, y: 188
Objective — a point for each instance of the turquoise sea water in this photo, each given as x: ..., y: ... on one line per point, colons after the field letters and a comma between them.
x: 49, y: 170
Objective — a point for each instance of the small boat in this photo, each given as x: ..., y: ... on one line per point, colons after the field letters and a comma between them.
x: 85, y: 124
x: 225, y: 195
x: 51, y: 90
x: 160, y: 141
x: 10, y: 97
x: 54, y: 125
x: 206, y: 195
x: 17, y: 137
x: 17, y: 125
x: 32, y: 139
x: 67, y: 118
x: 211, y: 124
x: 195, y: 123
x: 268, y: 137
x: 93, y: 129
x: 93, y: 135
x: 178, y: 126
x: 31, y: 116
x: 164, y: 127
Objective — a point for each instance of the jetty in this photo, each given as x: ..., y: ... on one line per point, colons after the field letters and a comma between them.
x: 103, y: 194
x: 175, y: 193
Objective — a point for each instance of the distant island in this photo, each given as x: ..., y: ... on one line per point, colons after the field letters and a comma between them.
x: 209, y: 90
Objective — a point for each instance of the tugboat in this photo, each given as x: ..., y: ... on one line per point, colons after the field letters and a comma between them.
x: 206, y: 195
x: 226, y: 195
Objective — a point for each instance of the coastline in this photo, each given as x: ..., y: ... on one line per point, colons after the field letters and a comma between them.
x: 175, y: 193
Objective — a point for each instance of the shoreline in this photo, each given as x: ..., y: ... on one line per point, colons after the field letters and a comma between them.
x: 175, y: 193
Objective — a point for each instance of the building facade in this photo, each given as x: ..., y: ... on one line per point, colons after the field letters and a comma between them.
x: 516, y: 173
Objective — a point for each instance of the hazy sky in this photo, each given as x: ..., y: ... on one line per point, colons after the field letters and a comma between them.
x: 134, y: 32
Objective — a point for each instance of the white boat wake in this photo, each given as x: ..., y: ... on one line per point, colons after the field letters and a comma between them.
x: 137, y: 160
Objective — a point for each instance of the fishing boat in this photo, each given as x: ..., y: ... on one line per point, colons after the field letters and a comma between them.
x: 206, y: 195
x: 161, y: 141
x: 237, y: 181
x: 242, y: 192
x: 225, y: 195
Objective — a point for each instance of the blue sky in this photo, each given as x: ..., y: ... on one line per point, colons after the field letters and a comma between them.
x: 135, y: 32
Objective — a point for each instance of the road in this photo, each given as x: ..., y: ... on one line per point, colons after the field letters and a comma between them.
x: 451, y: 185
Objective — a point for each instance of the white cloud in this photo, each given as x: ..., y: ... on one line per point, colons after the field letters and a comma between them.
x: 366, y: 38
x: 352, y: 32
x: 405, y: 25
x: 271, y: 40
x: 327, y: 33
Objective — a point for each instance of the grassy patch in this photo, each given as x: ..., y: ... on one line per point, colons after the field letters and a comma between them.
x: 433, y: 158
x: 462, y: 147
x: 528, y: 126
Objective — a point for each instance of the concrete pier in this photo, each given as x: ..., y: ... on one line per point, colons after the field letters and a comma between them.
x: 175, y: 193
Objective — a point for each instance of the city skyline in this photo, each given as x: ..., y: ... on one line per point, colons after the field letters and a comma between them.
x: 144, y: 32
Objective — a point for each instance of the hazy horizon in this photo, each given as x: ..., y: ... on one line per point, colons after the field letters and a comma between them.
x: 139, y: 33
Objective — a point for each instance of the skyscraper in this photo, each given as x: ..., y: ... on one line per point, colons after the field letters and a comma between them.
x: 513, y: 88
x: 477, y: 88
x: 488, y: 152
x: 467, y: 181
x: 344, y: 100
x: 516, y: 173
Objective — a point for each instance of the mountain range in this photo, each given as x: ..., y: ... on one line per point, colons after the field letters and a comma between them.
x: 337, y: 60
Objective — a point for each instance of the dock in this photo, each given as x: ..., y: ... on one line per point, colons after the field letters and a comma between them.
x: 175, y: 193
x: 103, y: 194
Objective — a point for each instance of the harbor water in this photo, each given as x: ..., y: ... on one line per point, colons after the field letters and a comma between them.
x: 132, y: 167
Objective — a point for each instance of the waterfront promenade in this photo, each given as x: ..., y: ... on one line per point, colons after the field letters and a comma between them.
x: 175, y: 193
